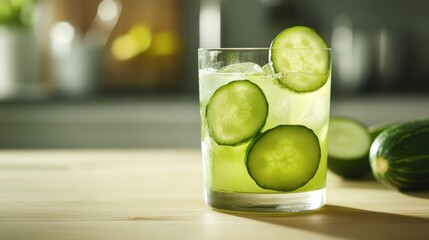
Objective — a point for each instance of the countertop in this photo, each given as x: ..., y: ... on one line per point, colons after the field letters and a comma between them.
x: 157, y: 194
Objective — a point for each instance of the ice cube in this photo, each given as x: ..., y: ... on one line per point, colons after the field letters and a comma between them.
x: 245, y: 67
x: 268, y: 68
x: 315, y: 113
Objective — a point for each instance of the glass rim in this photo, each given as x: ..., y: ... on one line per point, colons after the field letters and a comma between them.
x: 258, y: 49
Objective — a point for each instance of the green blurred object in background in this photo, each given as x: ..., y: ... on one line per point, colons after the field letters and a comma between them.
x: 16, y: 13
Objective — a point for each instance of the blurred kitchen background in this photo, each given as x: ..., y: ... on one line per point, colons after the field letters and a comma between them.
x: 123, y: 73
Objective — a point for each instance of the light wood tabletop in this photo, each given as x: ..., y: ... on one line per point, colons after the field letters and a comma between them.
x: 158, y: 194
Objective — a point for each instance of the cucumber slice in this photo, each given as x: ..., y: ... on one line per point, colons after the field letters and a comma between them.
x: 303, y: 57
x: 348, y: 147
x: 236, y: 112
x: 284, y: 158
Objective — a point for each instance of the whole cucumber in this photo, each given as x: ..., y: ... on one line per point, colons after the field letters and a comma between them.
x: 399, y: 156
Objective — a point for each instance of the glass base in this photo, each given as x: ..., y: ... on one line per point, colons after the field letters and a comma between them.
x: 251, y: 202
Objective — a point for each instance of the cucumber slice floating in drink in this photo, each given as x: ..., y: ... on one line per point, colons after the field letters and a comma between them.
x: 284, y: 158
x: 302, y: 55
x: 236, y: 112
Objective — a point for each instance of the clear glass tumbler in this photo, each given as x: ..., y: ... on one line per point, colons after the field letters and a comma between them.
x: 264, y: 131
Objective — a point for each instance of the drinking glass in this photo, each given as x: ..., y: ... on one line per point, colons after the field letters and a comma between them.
x: 264, y: 141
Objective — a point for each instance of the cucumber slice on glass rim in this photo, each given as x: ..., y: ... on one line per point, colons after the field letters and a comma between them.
x: 236, y: 112
x: 302, y: 55
x: 284, y: 158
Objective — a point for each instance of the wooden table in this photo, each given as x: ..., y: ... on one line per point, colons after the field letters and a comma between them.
x: 157, y: 194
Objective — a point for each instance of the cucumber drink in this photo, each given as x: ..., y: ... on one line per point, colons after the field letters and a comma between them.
x: 264, y: 123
